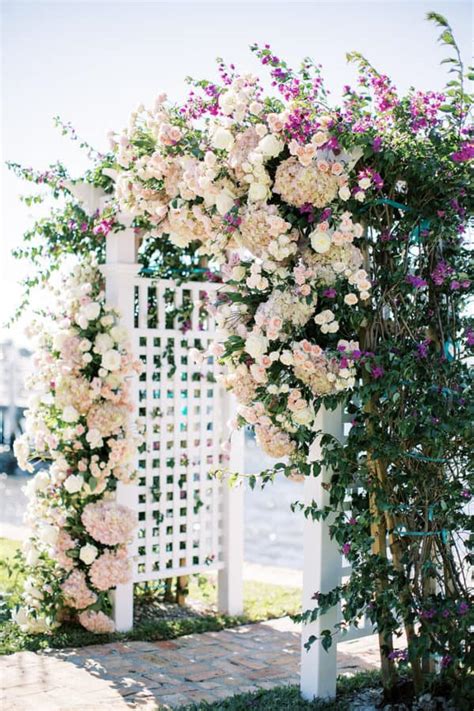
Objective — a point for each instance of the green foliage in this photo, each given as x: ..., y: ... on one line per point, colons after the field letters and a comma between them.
x: 408, y: 460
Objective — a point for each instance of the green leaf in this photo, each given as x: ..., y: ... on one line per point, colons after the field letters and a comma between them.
x: 326, y: 640
x: 447, y: 37
x: 437, y: 18
x: 311, y: 640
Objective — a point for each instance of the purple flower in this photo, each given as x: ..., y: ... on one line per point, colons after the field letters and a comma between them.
x: 416, y: 281
x: 377, y: 371
x: 463, y: 608
x: 424, y: 109
x: 441, y: 272
x: 346, y: 548
x: 376, y: 144
x: 103, y: 228
x: 466, y: 152
x: 446, y: 661
x: 330, y: 293
x: 427, y: 614
x: 422, y: 348
x: 377, y: 180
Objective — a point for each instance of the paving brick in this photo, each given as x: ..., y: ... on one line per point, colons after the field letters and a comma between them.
x: 201, y: 675
x: 167, y: 674
x: 266, y: 673
x: 167, y: 644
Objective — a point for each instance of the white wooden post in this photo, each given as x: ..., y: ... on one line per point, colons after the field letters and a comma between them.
x: 321, y: 572
x: 120, y: 271
x: 230, y: 577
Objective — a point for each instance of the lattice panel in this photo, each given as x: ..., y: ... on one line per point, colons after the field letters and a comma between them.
x: 179, y: 504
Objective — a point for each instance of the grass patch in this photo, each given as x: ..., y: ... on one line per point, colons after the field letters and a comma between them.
x: 9, y: 583
x: 287, y: 698
x: 262, y: 601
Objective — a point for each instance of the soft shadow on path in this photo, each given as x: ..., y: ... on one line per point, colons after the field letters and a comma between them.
x: 160, y: 675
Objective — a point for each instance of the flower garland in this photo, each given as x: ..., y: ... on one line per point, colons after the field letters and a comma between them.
x: 234, y: 172
x: 79, y: 420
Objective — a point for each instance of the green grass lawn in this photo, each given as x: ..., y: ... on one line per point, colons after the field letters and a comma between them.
x: 262, y: 601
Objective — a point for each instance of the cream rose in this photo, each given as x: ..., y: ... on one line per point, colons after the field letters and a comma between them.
x: 303, y: 417
x: 119, y: 334
x: 224, y: 202
x: 73, y: 484
x: 257, y: 191
x: 238, y: 273
x: 286, y: 357
x: 90, y: 311
x: 270, y: 146
x: 227, y: 103
x: 320, y: 241
x: 94, y: 438
x: 88, y: 553
x: 40, y: 481
x: 351, y: 299
x: 319, y: 139
x: 111, y: 360
x: 70, y: 414
x: 222, y: 139
x: 48, y: 534
x: 256, y: 346
x: 103, y: 342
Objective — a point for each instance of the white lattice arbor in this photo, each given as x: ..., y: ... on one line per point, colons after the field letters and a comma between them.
x: 188, y: 522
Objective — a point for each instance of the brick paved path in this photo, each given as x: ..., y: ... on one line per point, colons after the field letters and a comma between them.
x: 163, y: 675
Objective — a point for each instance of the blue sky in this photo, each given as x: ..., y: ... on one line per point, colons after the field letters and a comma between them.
x: 94, y: 62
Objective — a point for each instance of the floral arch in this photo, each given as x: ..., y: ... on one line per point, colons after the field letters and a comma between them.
x: 338, y: 235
